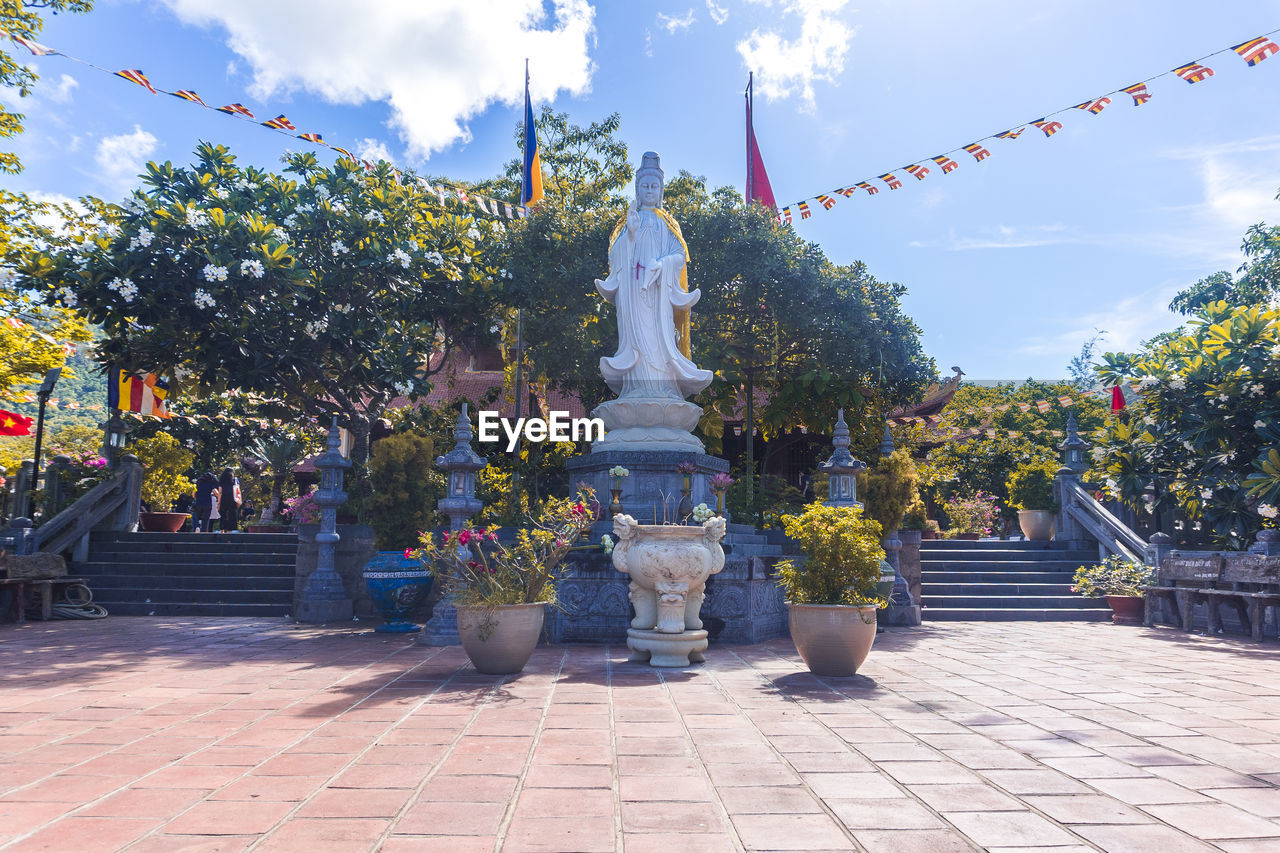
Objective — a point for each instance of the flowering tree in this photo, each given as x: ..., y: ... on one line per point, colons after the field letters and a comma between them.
x: 1205, y: 430
x: 329, y: 287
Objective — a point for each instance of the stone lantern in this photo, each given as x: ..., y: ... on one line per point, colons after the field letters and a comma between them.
x: 842, y: 469
x: 1074, y: 464
x: 324, y: 598
x: 459, y: 503
x: 1073, y: 449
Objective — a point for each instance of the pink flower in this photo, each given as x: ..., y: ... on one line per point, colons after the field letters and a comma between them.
x: 408, y: 553
x: 464, y: 536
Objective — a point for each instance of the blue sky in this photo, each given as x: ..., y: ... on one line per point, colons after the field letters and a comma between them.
x: 1010, y: 263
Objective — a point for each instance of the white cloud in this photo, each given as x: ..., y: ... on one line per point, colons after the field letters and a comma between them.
x: 672, y: 24
x: 372, y: 149
x: 1004, y: 237
x: 122, y: 157
x: 435, y: 64
x: 61, y: 91
x: 719, y: 14
x: 1126, y: 323
x: 785, y: 67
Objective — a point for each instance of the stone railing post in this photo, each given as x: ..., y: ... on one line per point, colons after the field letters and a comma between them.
x: 324, y: 598
x: 1158, y: 547
x: 22, y: 503
x: 57, y: 491
x: 1074, y: 464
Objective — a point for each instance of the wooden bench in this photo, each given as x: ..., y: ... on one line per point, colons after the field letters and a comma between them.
x: 1254, y: 586
x: 46, y: 587
x: 1182, y: 581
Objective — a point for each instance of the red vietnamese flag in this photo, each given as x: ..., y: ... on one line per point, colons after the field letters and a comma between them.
x: 758, y: 188
x: 12, y: 423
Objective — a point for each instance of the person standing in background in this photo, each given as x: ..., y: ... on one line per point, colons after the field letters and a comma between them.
x: 229, y: 501
x: 206, y: 485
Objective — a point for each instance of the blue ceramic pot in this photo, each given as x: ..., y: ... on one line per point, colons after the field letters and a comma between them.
x: 397, y: 587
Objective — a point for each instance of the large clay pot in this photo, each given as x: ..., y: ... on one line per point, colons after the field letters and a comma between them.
x: 1037, y: 524
x: 1126, y: 609
x: 833, y: 639
x: 500, y: 640
x: 162, y: 522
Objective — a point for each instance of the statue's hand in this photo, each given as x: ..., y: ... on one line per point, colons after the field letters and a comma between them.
x: 633, y: 223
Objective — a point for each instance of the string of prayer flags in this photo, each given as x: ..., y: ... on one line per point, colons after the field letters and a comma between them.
x: 280, y: 123
x: 135, y: 76
x: 1253, y: 51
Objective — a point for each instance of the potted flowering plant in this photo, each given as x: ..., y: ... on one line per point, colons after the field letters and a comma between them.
x: 618, y: 473
x: 685, y: 508
x: 302, y: 509
x: 972, y: 517
x: 832, y: 596
x: 501, y: 587
x: 720, y: 483
x: 1121, y: 581
x: 1031, y: 494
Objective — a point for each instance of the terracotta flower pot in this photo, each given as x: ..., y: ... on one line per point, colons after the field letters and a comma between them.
x: 833, y: 639
x: 1037, y: 524
x: 162, y: 522
x: 1126, y: 609
x: 500, y: 640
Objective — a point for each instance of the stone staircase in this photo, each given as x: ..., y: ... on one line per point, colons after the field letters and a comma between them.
x: 989, y: 581
x: 188, y: 574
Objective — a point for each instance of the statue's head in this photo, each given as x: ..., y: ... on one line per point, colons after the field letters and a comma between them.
x: 649, y: 181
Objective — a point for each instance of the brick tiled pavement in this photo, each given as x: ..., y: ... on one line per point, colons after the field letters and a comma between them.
x: 233, y: 734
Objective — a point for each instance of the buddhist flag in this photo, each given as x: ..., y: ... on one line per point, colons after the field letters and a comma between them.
x: 38, y: 49
x: 188, y: 95
x: 1049, y: 127
x: 312, y: 137
x: 826, y: 201
x: 531, y: 177
x: 1193, y: 72
x: 891, y: 180
x: 1065, y: 401
x: 847, y: 192
x: 143, y: 394
x: 1139, y: 93
x: 1094, y: 107
x: 758, y: 186
x: 1256, y: 50
x: 866, y: 186
x: 236, y: 110
x: 12, y: 423
x: 1043, y: 405
x: 979, y: 153
x: 805, y: 212
x: 786, y: 215
x: 1010, y: 134
x: 279, y: 123
x: 133, y: 75
x: 344, y: 152
x: 945, y: 162
x: 918, y: 171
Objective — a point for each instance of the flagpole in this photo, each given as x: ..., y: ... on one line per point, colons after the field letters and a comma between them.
x: 750, y: 80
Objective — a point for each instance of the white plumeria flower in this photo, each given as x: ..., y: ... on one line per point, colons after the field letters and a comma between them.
x: 314, y: 328
x: 280, y: 235
x: 68, y: 297
x: 123, y: 286
x: 1177, y: 384
x: 473, y: 233
x: 213, y: 272
x: 8, y: 276
x: 220, y: 193
x: 141, y: 240
x: 1149, y: 421
x: 291, y: 221
x: 435, y: 258
x: 374, y: 216
x: 1099, y: 453
x: 1188, y: 445
x: 1268, y: 511
x: 203, y: 299
x: 1259, y: 425
x: 322, y: 191
x: 403, y: 388
x: 196, y: 218
x: 338, y: 207
x: 401, y: 257
x: 337, y: 247
x: 252, y: 268
x: 1206, y: 493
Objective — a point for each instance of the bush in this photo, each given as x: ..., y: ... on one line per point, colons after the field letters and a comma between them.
x: 915, y: 518
x: 404, y: 489
x: 972, y: 515
x: 889, y: 488
x: 165, y: 464
x: 1031, y: 486
x: 843, y: 557
x: 1114, y: 576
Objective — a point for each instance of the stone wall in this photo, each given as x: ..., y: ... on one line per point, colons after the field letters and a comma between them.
x: 352, y: 554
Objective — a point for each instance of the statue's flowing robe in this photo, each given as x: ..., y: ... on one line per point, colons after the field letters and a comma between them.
x: 648, y: 286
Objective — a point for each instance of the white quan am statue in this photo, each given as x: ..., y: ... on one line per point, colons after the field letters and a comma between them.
x: 651, y: 372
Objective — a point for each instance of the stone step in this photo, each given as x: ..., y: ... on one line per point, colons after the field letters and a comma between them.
x: 188, y: 582
x: 963, y: 614
x: 143, y: 595
x: 160, y: 568
x: 978, y: 555
x: 928, y: 567
x: 995, y: 576
x: 752, y: 550
x: 1010, y: 602
x: 994, y: 589
x: 990, y: 544
x: 177, y: 560
x: 140, y: 608
x: 144, y: 538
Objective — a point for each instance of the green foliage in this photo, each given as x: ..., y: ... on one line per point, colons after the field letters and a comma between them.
x: 1256, y: 282
x: 915, y: 517
x: 491, y: 573
x: 1030, y: 486
x: 1204, y: 427
x: 328, y: 287
x: 1113, y: 576
x: 976, y: 513
x: 764, y: 497
x: 843, y: 557
x: 889, y: 488
x: 166, y: 464
x: 406, y: 486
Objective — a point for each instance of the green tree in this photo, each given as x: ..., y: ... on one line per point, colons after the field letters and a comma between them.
x: 405, y: 488
x: 166, y: 464
x: 1255, y: 282
x: 335, y: 289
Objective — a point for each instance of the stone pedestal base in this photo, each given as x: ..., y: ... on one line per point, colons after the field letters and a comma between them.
x: 649, y: 423
x: 319, y: 611
x: 651, y: 493
x: 904, y: 615
x: 442, y: 628
x: 661, y: 649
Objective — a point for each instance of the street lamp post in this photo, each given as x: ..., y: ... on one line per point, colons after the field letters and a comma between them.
x: 46, y: 389
x: 116, y: 433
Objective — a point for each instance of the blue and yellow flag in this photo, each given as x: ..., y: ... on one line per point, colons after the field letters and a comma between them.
x: 531, y: 180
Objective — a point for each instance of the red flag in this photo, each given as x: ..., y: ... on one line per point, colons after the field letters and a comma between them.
x: 12, y: 423
x: 1117, y: 399
x: 758, y: 188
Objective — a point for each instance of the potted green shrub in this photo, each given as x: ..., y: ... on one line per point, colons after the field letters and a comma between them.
x: 1121, y: 581
x: 165, y: 463
x: 971, y: 517
x: 403, y: 490
x: 831, y: 595
x: 1031, y: 494
x: 501, y: 588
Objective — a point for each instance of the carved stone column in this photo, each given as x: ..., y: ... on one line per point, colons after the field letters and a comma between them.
x: 324, y: 598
